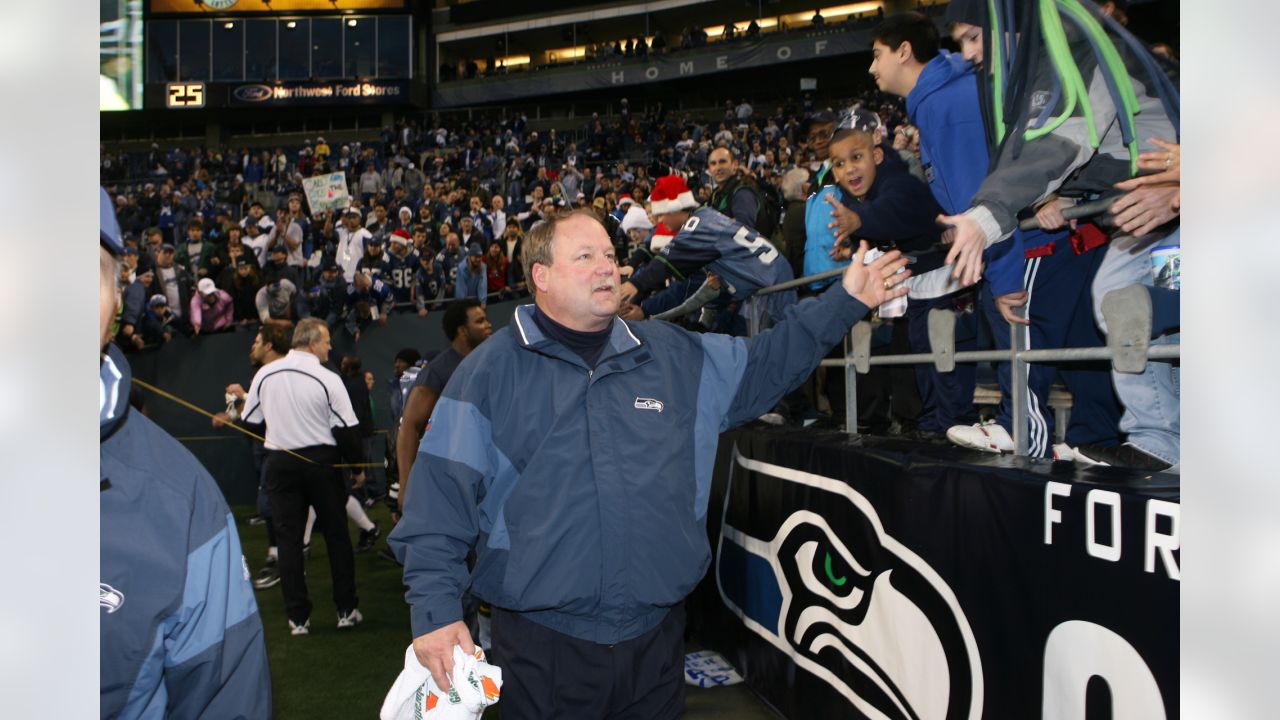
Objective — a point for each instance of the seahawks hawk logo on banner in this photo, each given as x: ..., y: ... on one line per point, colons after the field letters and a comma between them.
x: 858, y: 610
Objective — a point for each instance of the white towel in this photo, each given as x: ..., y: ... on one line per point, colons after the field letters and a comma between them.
x: 415, y: 695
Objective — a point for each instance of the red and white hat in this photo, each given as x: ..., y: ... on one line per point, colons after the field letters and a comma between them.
x: 670, y: 194
x: 662, y: 235
x: 625, y: 199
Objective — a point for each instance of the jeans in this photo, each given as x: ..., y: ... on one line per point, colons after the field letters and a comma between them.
x: 1150, y: 398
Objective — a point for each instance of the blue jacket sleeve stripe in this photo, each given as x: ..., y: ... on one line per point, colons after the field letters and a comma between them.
x: 148, y: 697
x: 724, y: 362
x: 464, y: 443
x: 440, y: 524
x: 216, y: 596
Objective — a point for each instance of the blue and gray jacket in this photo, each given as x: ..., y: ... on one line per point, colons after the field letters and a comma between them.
x: 585, y: 491
x: 180, y: 635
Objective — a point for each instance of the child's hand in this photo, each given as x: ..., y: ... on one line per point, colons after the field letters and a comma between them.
x: 846, y: 221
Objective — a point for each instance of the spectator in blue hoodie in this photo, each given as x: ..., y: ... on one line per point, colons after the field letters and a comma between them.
x: 877, y: 199
x: 942, y: 101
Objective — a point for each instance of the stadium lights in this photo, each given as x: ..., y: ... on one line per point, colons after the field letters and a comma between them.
x: 351, y: 23
x: 291, y: 24
x: 229, y: 26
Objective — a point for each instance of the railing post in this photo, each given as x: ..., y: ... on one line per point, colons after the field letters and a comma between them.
x: 942, y: 338
x: 850, y: 384
x: 1018, y: 385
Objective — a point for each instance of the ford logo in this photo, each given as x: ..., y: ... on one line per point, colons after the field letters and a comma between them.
x: 253, y: 93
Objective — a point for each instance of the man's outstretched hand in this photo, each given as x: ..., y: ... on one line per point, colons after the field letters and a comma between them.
x: 435, y: 650
x: 876, y: 283
x: 967, y: 244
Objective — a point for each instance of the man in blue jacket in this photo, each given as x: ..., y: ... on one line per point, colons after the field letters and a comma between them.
x: 574, y: 452
x: 179, y: 632
x: 1042, y: 273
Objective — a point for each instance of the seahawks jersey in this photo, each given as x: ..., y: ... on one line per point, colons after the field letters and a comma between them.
x: 398, y: 273
x: 744, y: 260
x: 378, y: 295
x: 430, y: 285
x: 375, y: 268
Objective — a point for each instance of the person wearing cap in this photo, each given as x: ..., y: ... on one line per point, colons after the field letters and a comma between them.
x: 400, y: 265
x: 328, y: 293
x: 211, y: 309
x: 368, y: 300
x: 158, y: 322
x: 179, y: 630
x: 428, y: 284
x: 350, y: 239
x: 134, y: 305
x: 625, y: 202
x: 473, y: 276
x: 172, y: 280
x: 243, y: 288
x: 818, y: 131
x: 744, y: 260
x: 586, y: 575
x: 374, y: 262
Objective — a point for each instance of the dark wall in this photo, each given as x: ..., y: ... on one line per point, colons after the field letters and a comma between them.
x: 199, y: 370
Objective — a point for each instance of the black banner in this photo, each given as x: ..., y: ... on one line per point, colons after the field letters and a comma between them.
x: 894, y: 580
x: 779, y: 48
x: 337, y: 92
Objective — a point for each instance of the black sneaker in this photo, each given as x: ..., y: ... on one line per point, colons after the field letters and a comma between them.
x: 368, y: 538
x: 268, y: 576
x: 1125, y: 456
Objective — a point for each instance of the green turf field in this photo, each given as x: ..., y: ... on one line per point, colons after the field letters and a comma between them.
x: 332, y: 674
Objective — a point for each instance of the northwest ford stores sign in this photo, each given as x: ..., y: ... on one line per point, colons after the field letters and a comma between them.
x: 683, y: 64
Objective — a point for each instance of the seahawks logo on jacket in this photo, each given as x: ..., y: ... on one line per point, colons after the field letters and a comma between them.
x: 858, y: 610
x: 109, y: 598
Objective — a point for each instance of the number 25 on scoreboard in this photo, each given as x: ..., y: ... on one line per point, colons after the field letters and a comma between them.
x: 184, y: 95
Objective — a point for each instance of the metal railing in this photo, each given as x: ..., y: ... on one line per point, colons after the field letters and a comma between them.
x: 1126, y: 352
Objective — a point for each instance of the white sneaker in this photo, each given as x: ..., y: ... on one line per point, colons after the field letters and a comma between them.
x: 350, y: 619
x: 1063, y: 451
x: 987, y: 437
x: 303, y: 629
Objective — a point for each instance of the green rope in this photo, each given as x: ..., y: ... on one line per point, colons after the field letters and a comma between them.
x: 997, y: 69
x: 1064, y: 65
x: 1115, y: 65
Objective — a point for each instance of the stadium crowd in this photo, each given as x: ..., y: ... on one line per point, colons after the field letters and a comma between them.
x: 222, y: 237
x: 701, y: 216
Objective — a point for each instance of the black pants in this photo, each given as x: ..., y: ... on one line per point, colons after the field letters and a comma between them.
x: 294, y: 485
x: 547, y: 674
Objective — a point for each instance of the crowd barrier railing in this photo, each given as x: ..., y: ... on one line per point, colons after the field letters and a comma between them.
x: 1128, y: 348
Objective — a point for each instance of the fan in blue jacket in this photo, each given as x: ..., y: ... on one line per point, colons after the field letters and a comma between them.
x: 179, y: 631
x: 577, y: 459
x: 1043, y: 271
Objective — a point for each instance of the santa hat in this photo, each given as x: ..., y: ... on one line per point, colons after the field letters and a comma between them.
x: 625, y: 199
x: 671, y: 194
x: 636, y: 218
x: 661, y: 237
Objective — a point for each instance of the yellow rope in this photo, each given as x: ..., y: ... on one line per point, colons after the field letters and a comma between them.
x: 170, y: 396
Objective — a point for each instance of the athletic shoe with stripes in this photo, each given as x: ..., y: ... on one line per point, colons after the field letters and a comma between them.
x: 987, y: 437
x: 303, y: 629
x: 349, y: 619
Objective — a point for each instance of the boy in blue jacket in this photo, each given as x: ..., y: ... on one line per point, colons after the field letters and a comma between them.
x: 942, y: 101
x: 876, y: 198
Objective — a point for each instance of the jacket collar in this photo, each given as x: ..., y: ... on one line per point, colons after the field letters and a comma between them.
x: 115, y: 380
x: 530, y: 337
